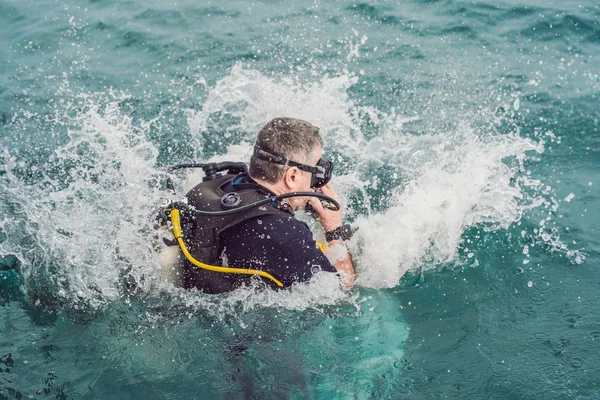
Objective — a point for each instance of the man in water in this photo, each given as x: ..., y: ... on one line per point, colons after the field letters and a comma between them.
x: 286, y: 155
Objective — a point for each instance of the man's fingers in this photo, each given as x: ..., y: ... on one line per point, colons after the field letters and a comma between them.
x: 328, y: 190
x: 316, y: 204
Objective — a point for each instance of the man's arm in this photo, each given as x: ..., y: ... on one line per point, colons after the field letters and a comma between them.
x: 338, y: 255
x: 337, y: 252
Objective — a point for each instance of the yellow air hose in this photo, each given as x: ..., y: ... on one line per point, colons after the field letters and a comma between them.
x: 321, y: 246
x: 179, y: 236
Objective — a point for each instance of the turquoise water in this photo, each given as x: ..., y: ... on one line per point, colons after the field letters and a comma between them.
x: 465, y: 136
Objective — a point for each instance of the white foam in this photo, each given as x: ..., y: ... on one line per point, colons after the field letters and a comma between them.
x: 324, y: 289
x: 570, y: 197
x: 461, y: 182
x: 96, y: 224
x: 247, y: 99
x: 452, y: 179
x: 89, y: 217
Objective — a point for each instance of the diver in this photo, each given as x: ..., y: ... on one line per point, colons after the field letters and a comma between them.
x: 240, y: 226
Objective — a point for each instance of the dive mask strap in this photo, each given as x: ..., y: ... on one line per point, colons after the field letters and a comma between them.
x: 266, y: 155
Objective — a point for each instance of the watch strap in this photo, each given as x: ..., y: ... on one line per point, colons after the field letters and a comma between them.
x: 343, y: 232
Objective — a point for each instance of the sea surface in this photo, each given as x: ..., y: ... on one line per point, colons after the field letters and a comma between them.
x: 466, y: 143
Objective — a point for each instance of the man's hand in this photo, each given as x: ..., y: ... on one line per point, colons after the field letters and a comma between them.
x: 329, y: 219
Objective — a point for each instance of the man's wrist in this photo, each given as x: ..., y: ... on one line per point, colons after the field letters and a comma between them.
x: 343, y: 232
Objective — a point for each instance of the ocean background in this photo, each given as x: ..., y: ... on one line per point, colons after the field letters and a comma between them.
x: 465, y: 136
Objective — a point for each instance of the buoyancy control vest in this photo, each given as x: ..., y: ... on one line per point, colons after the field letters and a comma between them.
x: 202, y: 232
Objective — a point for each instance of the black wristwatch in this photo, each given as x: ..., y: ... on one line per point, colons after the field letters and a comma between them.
x: 344, y: 232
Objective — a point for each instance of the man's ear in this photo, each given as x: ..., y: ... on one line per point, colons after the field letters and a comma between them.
x: 291, y: 178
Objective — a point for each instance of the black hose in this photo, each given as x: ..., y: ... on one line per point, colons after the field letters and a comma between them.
x: 259, y: 203
x: 182, y: 166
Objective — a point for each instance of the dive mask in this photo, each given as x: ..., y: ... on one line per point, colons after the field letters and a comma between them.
x: 321, y: 173
x: 322, y: 176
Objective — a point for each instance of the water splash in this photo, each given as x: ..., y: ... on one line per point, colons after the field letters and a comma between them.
x: 88, y: 220
x: 461, y: 181
x: 417, y: 191
x: 88, y: 213
x: 246, y: 99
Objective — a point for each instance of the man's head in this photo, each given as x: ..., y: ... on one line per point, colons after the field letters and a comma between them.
x: 294, y: 140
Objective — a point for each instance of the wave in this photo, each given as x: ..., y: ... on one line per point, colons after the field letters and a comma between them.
x: 83, y: 225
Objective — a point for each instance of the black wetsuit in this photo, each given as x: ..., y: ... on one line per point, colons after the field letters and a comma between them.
x: 278, y: 244
x: 266, y: 238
